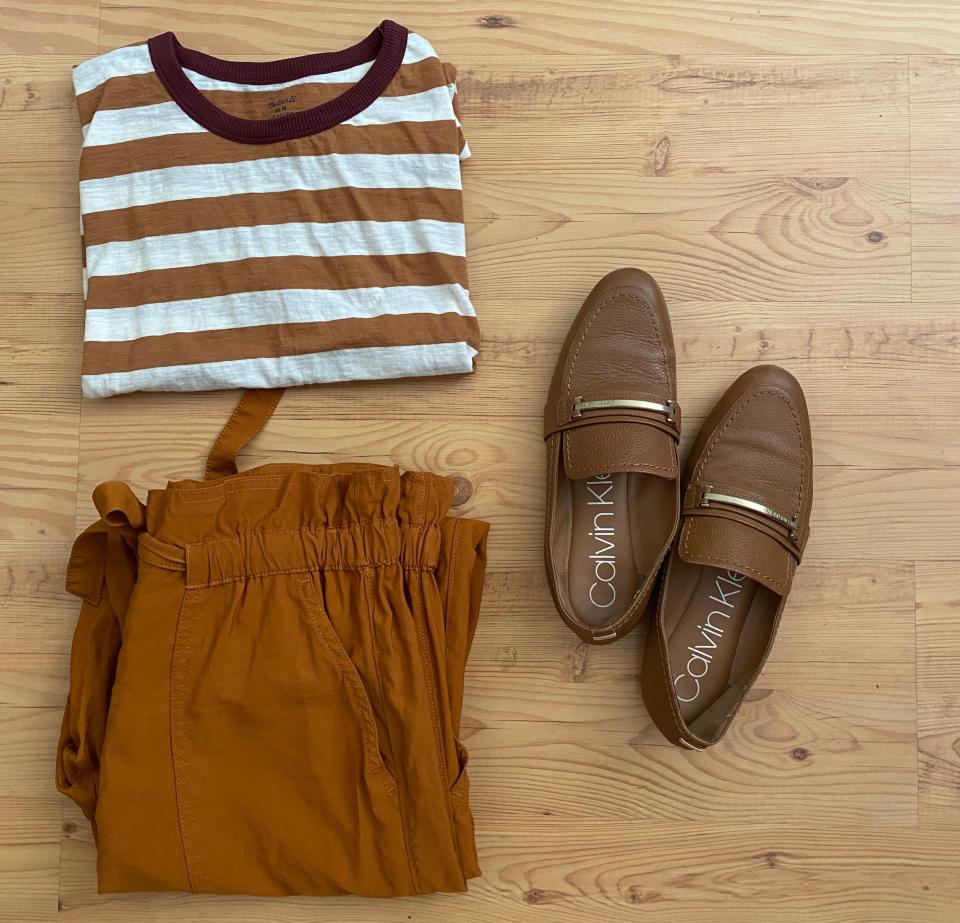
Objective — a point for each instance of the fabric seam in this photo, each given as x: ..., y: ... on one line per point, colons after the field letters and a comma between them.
x: 182, y: 642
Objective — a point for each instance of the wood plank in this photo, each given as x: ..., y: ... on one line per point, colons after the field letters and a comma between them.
x: 754, y: 240
x: 935, y: 190
x: 811, y: 745
x: 759, y: 250
x: 53, y: 131
x: 938, y: 697
x: 49, y: 27
x: 41, y: 374
x: 505, y: 462
x: 934, y: 98
x: 39, y: 417
x: 37, y: 615
x: 831, y: 347
x: 35, y: 83
x: 557, y: 26
x: 613, y: 120
x: 41, y: 235
x: 850, y: 612
x: 775, y: 768
x: 28, y: 756
x: 38, y: 480
x: 608, y: 120
x: 603, y: 692
x: 37, y: 113
x: 615, y: 871
x: 864, y: 608
x: 30, y: 833
x: 935, y: 172
x: 844, y: 345
x: 567, y: 184
x: 34, y: 680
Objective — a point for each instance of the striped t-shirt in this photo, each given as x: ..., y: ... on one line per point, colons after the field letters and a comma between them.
x: 265, y: 225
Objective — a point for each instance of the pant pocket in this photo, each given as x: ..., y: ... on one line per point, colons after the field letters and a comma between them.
x: 319, y: 620
x: 463, y: 828
x: 461, y: 783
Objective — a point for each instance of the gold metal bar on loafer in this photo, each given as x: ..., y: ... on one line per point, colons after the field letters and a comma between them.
x: 789, y: 521
x: 668, y: 408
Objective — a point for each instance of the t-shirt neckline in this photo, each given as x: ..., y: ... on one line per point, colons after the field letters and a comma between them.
x: 385, y: 47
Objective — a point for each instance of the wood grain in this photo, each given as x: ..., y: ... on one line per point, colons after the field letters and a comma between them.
x: 789, y: 173
x: 49, y: 26
x: 30, y: 837
x: 938, y: 699
x: 557, y: 26
x: 615, y: 871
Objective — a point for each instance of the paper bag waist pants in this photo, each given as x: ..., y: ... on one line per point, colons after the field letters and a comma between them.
x: 266, y: 683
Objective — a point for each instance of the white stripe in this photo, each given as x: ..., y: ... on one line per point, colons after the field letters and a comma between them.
x: 290, y: 371
x: 121, y: 62
x: 296, y: 238
x: 212, y: 85
x: 418, y: 49
x: 428, y: 106
x: 136, y: 123
x: 452, y: 90
x: 114, y: 126
x: 271, y: 174
x: 125, y: 62
x: 282, y: 306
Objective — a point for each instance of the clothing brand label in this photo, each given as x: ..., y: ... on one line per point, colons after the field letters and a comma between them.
x: 279, y: 106
x: 714, y: 631
x: 603, y: 556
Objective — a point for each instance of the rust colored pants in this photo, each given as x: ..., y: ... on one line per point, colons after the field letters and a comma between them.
x: 267, y: 676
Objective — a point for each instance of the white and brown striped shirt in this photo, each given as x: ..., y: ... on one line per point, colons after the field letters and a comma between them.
x: 272, y: 224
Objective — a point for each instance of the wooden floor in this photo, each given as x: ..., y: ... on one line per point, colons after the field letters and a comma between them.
x: 789, y: 171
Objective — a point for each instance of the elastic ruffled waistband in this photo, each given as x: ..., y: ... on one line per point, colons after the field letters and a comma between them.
x: 341, y: 516
x: 260, y: 554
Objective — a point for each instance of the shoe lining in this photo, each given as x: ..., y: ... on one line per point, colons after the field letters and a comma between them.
x: 618, y: 525
x: 719, y: 626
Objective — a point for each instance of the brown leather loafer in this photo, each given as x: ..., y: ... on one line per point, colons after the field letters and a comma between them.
x: 743, y: 528
x: 613, y: 484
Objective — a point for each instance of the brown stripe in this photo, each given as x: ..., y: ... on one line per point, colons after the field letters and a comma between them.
x: 275, y: 340
x: 194, y: 148
x: 147, y: 90
x: 268, y: 273
x: 88, y: 103
x: 242, y: 210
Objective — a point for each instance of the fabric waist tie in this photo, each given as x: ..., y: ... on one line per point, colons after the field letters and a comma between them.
x: 251, y: 414
x: 102, y: 571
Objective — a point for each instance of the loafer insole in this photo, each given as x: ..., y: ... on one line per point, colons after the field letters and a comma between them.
x: 612, y: 549
x: 719, y: 625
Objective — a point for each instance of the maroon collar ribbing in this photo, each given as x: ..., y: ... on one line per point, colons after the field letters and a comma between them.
x: 384, y: 46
